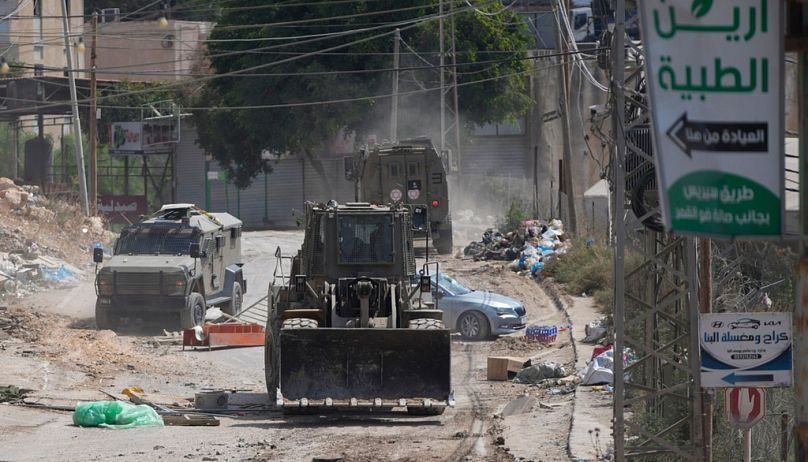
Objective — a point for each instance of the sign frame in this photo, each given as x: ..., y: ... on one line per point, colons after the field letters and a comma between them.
x: 746, y: 350
x: 708, y: 172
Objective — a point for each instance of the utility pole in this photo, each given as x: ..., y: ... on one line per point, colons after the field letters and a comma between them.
x: 93, y: 121
x: 801, y: 307
x: 442, y: 82
x: 706, y: 306
x: 619, y: 171
x: 394, y: 104
x: 456, y: 154
x: 563, y: 71
x: 75, y: 106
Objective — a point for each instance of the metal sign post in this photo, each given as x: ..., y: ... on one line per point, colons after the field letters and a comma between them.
x: 715, y: 78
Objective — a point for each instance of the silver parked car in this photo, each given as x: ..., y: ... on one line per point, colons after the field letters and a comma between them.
x: 476, y: 315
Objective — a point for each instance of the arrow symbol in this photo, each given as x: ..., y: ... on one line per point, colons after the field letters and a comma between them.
x: 689, y: 135
x: 734, y: 378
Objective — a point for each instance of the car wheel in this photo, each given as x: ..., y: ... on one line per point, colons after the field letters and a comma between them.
x: 472, y: 325
x: 194, y: 312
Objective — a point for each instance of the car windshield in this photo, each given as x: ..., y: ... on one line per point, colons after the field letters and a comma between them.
x: 450, y: 284
x: 155, y: 240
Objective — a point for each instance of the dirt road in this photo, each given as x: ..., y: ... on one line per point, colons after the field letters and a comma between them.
x: 53, y: 348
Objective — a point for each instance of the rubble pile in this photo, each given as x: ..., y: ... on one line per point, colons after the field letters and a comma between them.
x: 43, y: 243
x: 528, y: 248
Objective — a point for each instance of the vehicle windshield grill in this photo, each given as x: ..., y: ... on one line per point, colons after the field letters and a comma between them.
x: 152, y: 240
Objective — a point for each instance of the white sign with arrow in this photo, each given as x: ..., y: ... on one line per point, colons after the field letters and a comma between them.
x: 715, y: 79
x: 745, y: 349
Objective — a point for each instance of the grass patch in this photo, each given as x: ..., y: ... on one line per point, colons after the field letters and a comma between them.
x: 585, y: 269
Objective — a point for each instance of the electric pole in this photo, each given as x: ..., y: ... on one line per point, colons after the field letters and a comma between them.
x: 564, y: 76
x: 394, y: 104
x: 442, y: 79
x: 706, y: 306
x: 75, y: 105
x: 93, y: 121
x: 801, y: 308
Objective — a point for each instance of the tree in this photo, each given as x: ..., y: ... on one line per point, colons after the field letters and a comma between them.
x: 277, y: 71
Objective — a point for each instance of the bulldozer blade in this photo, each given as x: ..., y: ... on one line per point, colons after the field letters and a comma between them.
x: 365, y: 364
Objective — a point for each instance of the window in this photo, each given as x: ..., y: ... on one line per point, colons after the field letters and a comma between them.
x: 394, y: 169
x: 156, y: 240
x: 580, y: 21
x: 365, y: 239
x: 412, y: 169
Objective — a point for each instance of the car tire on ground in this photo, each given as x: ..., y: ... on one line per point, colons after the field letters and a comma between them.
x: 233, y: 308
x: 473, y: 325
x: 105, y: 319
x: 194, y: 312
x: 300, y: 323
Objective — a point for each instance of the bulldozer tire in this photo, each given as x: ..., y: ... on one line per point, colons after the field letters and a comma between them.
x: 271, y: 359
x: 424, y: 411
x: 300, y: 323
x: 104, y: 320
x: 426, y: 324
x: 194, y: 312
x: 233, y: 308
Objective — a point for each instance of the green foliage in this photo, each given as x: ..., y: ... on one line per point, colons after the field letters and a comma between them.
x: 513, y: 218
x: 584, y: 269
x: 237, y: 137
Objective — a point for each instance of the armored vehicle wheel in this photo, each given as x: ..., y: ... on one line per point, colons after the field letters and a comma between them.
x: 104, y: 319
x: 236, y: 300
x: 473, y: 326
x: 300, y: 323
x: 426, y: 324
x: 194, y: 312
x: 443, y: 245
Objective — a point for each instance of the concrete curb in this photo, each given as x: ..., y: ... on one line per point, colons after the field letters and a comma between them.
x: 553, y: 291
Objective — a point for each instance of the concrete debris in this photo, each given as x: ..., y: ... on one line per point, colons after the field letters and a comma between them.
x: 537, y: 373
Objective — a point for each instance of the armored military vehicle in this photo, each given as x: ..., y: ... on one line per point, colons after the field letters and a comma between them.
x: 409, y: 172
x: 346, y: 329
x: 175, y: 264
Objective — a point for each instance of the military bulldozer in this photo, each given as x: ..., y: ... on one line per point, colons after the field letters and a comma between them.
x: 347, y: 327
x: 409, y: 172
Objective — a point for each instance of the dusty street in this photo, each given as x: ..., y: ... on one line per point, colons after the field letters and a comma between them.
x: 53, y: 348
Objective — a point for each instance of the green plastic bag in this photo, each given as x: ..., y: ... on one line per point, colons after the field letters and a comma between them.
x: 115, y: 414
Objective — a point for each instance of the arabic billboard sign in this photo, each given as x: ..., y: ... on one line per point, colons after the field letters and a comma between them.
x: 142, y: 137
x: 745, y: 349
x: 715, y: 79
x: 123, y: 209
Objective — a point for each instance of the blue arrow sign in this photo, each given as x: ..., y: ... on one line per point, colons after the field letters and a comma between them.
x: 735, y: 378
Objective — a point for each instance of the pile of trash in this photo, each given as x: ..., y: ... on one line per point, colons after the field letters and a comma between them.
x: 25, y: 273
x: 528, y: 248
